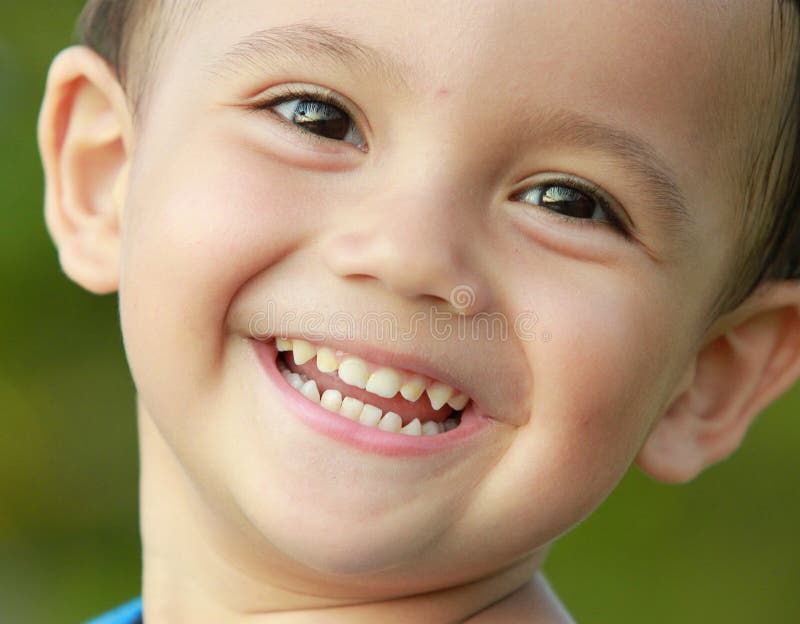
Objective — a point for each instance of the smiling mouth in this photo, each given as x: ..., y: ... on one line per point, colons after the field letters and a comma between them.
x: 382, y: 397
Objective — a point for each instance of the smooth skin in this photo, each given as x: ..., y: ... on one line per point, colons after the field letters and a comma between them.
x: 200, y: 211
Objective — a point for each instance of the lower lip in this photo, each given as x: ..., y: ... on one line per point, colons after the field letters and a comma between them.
x: 369, y: 439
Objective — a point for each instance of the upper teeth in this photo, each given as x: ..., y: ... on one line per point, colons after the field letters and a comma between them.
x: 383, y: 381
x: 303, y: 351
x: 354, y: 371
x: 413, y: 388
x: 438, y: 394
x: 326, y: 360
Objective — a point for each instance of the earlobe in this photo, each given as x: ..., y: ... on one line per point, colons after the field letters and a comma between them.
x: 736, y: 375
x: 85, y: 132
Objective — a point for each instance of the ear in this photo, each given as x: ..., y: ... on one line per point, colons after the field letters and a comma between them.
x: 750, y: 358
x: 85, y: 132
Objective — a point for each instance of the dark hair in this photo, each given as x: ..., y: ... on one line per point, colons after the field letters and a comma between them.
x: 767, y: 245
x: 780, y: 258
x: 114, y: 28
x: 773, y: 253
x: 105, y: 26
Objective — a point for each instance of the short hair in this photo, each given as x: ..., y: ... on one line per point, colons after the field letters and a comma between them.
x: 768, y: 220
x: 118, y: 30
x: 768, y: 234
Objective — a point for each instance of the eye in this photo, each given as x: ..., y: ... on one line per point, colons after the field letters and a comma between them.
x: 320, y: 114
x: 572, y: 201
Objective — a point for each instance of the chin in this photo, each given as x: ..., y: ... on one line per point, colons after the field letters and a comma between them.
x: 355, y: 550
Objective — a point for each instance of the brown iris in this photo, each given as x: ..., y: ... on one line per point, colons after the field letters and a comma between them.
x: 567, y: 200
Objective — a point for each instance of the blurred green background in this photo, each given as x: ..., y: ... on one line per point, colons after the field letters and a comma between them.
x: 724, y: 548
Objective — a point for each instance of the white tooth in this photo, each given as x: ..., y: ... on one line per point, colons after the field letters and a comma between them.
x: 458, y: 402
x: 370, y: 415
x: 413, y: 388
x: 326, y: 360
x: 450, y: 423
x: 331, y: 400
x: 286, y: 372
x: 390, y: 422
x: 303, y: 377
x: 384, y: 382
x: 430, y: 428
x: 440, y: 427
x: 351, y: 408
x: 354, y: 371
x: 310, y: 390
x: 283, y: 344
x: 438, y: 394
x: 412, y: 428
x: 302, y: 351
x: 294, y: 381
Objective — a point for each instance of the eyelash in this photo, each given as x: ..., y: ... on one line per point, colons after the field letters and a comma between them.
x: 292, y: 93
x: 587, y: 188
x: 299, y: 93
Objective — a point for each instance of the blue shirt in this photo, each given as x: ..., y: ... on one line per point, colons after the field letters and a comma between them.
x: 129, y: 613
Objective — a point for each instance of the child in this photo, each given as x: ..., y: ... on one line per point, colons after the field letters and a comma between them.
x: 405, y: 288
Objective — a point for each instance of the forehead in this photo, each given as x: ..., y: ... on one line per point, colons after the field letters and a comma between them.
x: 664, y: 73
x: 535, y: 39
x: 544, y: 46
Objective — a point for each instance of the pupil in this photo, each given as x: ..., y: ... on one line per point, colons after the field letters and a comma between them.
x: 322, y: 119
x: 568, y: 200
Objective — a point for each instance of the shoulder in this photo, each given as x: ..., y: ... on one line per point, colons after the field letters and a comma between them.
x: 533, y: 603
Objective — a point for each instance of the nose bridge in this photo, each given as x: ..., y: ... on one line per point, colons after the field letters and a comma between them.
x: 414, y: 235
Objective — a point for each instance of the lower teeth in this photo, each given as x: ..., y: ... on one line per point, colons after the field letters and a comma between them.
x: 353, y: 409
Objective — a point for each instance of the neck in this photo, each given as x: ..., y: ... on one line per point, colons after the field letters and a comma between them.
x: 206, y: 569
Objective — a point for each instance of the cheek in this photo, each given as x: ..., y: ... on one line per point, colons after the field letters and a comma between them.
x: 608, y: 366
x: 197, y: 229
x: 598, y: 384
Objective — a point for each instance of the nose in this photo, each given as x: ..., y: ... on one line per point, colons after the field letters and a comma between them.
x: 413, y: 245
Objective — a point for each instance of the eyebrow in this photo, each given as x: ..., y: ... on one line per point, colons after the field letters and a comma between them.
x: 664, y: 198
x: 266, y: 49
x: 299, y: 42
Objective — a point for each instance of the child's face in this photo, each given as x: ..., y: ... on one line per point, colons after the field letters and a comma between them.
x: 231, y: 213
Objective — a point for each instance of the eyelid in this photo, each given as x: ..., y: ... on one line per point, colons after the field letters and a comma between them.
x: 618, y: 216
x: 268, y: 98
